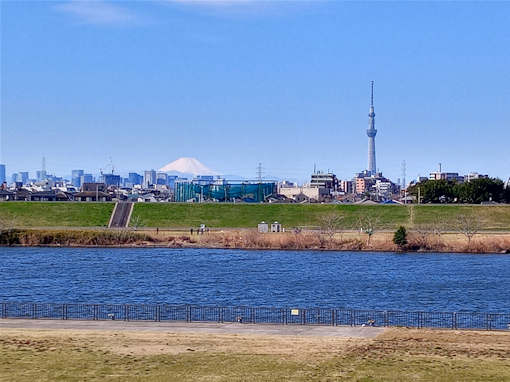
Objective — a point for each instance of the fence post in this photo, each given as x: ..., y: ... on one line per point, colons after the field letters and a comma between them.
x: 94, y: 309
x: 4, y: 310
x: 158, y: 313
x: 188, y: 313
x: 333, y: 317
x: 34, y: 311
x: 489, y: 321
x: 65, y: 312
x: 385, y: 318
x: 304, y: 316
x: 220, y: 314
x: 352, y: 318
x: 454, y: 320
x: 252, y: 314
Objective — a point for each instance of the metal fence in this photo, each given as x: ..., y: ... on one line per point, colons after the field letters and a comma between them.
x: 255, y: 315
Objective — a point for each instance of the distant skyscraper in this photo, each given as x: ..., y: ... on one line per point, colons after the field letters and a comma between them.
x: 41, y: 175
x: 2, y: 174
x: 23, y: 177
x: 111, y: 179
x: 43, y: 169
x: 149, y: 178
x: 371, y: 132
x: 76, y: 177
x: 135, y: 178
x: 162, y: 178
x: 86, y: 178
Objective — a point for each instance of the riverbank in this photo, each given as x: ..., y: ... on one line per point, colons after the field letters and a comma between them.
x: 246, y: 215
x: 418, y: 241
x: 155, y: 355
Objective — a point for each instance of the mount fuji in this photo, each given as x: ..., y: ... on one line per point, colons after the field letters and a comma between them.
x: 187, y: 166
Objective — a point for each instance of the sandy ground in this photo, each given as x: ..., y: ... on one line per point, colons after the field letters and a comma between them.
x: 113, y: 351
x: 206, y: 327
x: 142, y: 339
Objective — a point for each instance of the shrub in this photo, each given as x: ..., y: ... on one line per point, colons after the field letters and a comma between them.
x: 400, y: 236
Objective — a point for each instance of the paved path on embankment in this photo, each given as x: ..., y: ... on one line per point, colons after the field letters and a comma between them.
x: 121, y: 215
x: 198, y: 327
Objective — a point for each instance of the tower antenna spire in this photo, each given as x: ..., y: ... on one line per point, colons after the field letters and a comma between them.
x: 371, y: 93
x: 371, y: 133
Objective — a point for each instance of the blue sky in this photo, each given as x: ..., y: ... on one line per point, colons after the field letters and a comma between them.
x: 285, y: 83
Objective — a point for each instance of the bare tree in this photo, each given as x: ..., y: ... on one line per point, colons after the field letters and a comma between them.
x: 439, y: 227
x: 367, y: 224
x: 469, y: 226
x: 422, y: 234
x: 330, y: 223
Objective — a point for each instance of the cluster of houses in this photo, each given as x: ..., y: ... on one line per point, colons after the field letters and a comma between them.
x: 88, y: 192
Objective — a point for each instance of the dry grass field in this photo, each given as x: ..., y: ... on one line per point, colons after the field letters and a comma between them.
x: 395, y: 355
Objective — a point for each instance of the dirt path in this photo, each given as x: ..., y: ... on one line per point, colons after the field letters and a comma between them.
x: 181, y: 327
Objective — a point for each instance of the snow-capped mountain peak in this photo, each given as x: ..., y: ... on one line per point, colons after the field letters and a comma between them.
x: 188, y: 166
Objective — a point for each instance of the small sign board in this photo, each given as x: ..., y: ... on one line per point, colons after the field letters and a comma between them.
x: 294, y: 312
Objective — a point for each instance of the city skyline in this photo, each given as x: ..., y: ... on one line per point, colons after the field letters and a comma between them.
x: 283, y: 84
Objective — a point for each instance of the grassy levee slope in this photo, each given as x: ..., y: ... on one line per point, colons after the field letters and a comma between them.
x: 56, y: 214
x: 491, y: 218
x: 249, y: 215
x: 185, y: 215
x: 294, y: 215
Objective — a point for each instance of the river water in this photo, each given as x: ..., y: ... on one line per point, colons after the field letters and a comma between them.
x: 428, y: 282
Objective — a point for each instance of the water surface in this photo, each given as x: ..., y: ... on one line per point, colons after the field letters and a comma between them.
x: 437, y: 282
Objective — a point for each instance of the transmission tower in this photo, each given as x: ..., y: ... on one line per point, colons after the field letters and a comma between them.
x: 259, y: 172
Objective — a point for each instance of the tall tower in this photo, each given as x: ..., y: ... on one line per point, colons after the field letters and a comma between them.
x: 371, y: 132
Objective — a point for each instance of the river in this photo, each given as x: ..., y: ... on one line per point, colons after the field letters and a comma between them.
x: 360, y: 280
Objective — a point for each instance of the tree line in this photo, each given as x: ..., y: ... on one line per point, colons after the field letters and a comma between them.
x: 475, y: 191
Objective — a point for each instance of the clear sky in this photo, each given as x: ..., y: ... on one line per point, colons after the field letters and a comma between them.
x: 285, y: 83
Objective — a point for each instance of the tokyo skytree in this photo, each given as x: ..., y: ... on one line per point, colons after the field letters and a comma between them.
x: 371, y: 132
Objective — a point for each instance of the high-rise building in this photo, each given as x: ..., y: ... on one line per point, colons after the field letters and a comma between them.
x: 135, y: 178
x: 162, y: 178
x: 111, y: 179
x: 328, y: 180
x: 346, y: 186
x: 76, y: 177
x: 149, y: 178
x: 371, y: 133
x: 2, y: 174
x: 86, y: 178
x: 23, y: 177
x: 40, y: 175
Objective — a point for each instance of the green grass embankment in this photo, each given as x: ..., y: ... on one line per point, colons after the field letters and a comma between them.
x: 249, y: 215
x: 389, y: 217
x: 490, y: 218
x: 182, y: 215
x: 56, y: 214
